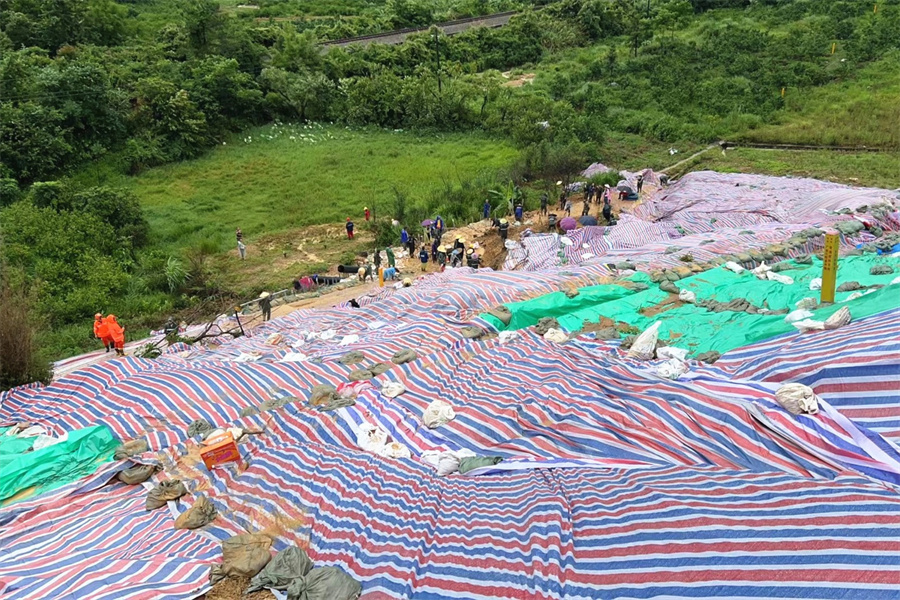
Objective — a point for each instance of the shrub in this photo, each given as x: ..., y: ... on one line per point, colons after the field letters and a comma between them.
x: 21, y: 360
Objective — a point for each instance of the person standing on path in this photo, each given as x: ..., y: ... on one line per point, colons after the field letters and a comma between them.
x: 377, y: 260
x: 392, y: 261
x: 504, y: 229
x: 568, y: 207
x: 239, y: 235
x: 586, y: 207
x: 423, y: 258
x: 349, y: 229
x: 265, y: 305
x: 544, y: 200
x: 242, y: 250
x: 519, y: 211
x: 487, y: 209
x: 640, y: 183
x: 101, y: 332
x: 404, y: 237
x: 117, y: 333
x: 366, y: 212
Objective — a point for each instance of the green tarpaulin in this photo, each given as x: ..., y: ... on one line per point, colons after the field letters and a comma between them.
x: 49, y: 468
x: 698, y: 329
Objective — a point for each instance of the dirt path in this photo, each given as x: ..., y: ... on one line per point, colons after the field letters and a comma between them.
x: 689, y: 158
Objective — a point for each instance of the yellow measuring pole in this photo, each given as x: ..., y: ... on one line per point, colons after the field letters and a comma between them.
x: 833, y: 46
x: 829, y: 267
x: 381, y: 277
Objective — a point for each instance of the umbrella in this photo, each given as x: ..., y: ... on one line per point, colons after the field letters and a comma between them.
x: 427, y: 223
x: 568, y: 223
x: 625, y: 188
x: 587, y: 220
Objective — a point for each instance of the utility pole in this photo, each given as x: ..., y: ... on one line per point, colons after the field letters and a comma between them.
x: 437, y: 49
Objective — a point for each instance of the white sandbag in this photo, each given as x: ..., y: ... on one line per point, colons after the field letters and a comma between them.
x: 671, y: 352
x: 371, y: 438
x: 556, y: 335
x: 275, y: 339
x: 587, y: 256
x: 807, y: 303
x: 761, y: 271
x: 394, y: 450
x: 672, y: 369
x: 349, y: 339
x: 376, y: 324
x: 809, y: 325
x: 565, y: 240
x: 797, y: 315
x: 838, y: 319
x: 797, y: 399
x: 687, y: 296
x: 45, y: 441
x: 445, y: 462
x: 506, y: 336
x: 327, y: 334
x: 773, y: 276
x: 247, y: 357
x: 644, y: 346
x: 294, y: 357
x: 31, y: 431
x: 815, y: 284
x: 392, y: 389
x: 438, y: 413
x: 734, y: 267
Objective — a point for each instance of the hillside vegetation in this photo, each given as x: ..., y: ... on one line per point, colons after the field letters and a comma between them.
x: 276, y: 178
x: 112, y: 199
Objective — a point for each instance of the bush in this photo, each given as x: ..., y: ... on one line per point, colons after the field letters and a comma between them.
x: 21, y: 360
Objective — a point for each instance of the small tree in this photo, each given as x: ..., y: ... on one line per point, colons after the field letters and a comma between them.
x: 21, y: 360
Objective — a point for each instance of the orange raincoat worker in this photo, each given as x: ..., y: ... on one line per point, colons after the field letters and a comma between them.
x: 101, y: 332
x: 117, y: 333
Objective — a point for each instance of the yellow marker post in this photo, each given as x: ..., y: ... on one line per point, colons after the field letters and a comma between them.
x: 380, y: 276
x: 875, y: 10
x: 782, y: 92
x: 833, y: 46
x: 829, y: 267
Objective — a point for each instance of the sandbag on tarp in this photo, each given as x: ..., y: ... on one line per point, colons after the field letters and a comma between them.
x: 243, y: 555
x: 326, y: 583
x: 203, y: 512
x: 284, y: 568
x: 137, y: 474
x: 56, y: 465
x: 171, y: 489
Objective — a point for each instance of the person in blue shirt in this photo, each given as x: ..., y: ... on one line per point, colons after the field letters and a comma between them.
x: 487, y: 209
x: 404, y: 237
x: 423, y: 258
x: 519, y: 210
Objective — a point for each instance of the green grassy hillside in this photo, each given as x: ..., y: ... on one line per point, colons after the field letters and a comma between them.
x: 276, y: 178
x: 861, y: 110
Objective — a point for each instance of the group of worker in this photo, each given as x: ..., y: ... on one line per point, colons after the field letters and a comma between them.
x: 108, y: 331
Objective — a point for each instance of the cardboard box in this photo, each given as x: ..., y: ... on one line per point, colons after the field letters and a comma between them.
x: 219, y: 450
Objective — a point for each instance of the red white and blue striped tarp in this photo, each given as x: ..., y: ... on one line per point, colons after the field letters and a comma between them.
x: 643, y: 487
x: 615, y: 483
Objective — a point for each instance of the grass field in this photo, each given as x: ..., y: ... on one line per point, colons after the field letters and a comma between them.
x: 877, y: 169
x: 862, y: 110
x: 277, y: 178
